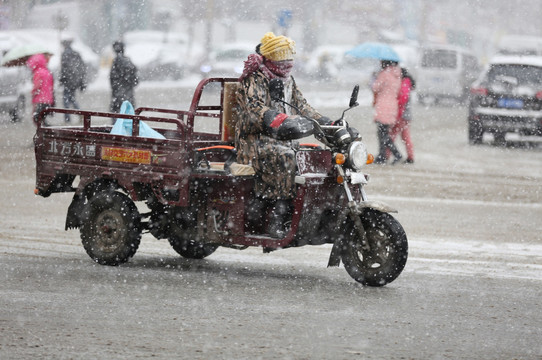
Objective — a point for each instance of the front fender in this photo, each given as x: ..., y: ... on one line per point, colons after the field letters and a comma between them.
x: 356, y: 209
x: 87, y: 188
x: 374, y: 204
x: 73, y: 217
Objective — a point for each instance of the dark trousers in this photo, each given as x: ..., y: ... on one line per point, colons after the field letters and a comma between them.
x: 385, y: 142
x: 68, y: 98
x: 36, y: 111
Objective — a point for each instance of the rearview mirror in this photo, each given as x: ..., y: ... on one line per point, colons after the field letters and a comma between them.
x: 354, y: 97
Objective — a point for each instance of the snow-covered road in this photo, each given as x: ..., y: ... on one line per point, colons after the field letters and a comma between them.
x: 470, y: 289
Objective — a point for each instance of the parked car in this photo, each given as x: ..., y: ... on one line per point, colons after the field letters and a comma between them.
x: 325, y: 61
x: 11, y: 79
x: 409, y: 54
x: 520, y: 45
x: 161, y: 55
x: 445, y: 72
x: 227, y: 60
x: 17, y: 81
x: 507, y: 98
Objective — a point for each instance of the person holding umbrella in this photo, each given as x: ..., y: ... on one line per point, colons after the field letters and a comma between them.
x: 385, y: 87
x: 35, y: 57
x: 43, y: 84
x: 386, y: 91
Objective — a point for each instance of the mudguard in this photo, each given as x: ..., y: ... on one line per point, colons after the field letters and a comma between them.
x: 375, y: 204
x: 73, y: 217
x: 356, y: 209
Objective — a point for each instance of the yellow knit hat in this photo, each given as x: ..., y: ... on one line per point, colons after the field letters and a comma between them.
x: 277, y: 48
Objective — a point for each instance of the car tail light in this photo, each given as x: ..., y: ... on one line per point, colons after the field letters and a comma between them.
x: 479, y: 91
x: 539, y: 95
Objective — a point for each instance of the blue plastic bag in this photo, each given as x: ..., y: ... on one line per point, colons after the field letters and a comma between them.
x: 124, y: 126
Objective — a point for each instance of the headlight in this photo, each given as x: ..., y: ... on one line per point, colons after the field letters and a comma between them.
x: 357, y: 155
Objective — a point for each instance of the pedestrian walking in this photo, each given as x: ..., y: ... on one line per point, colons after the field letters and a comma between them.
x: 43, y: 84
x: 123, y: 78
x: 404, y: 116
x: 385, y: 91
x: 73, y: 76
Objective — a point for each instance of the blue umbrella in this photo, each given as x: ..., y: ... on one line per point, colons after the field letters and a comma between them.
x: 374, y: 50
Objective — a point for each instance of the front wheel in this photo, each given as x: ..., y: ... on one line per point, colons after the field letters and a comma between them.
x: 110, y: 229
x: 389, y: 249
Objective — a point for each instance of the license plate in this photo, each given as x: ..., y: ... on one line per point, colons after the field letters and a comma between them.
x: 510, y: 103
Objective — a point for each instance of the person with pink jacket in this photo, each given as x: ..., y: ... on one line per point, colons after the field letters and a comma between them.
x: 43, y: 84
x: 386, y: 90
x: 402, y: 126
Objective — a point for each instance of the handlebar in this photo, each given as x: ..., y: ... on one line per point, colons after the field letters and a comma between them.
x: 329, y: 135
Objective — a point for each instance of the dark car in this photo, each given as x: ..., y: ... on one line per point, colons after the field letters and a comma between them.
x: 507, y: 98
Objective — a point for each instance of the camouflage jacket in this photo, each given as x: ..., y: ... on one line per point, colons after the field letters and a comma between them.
x: 273, y: 160
x: 253, y: 101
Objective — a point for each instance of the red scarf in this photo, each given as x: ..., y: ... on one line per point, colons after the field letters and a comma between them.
x: 280, y: 69
x: 271, y: 69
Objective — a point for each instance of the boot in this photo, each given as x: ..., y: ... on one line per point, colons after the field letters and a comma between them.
x: 255, y: 211
x: 279, y: 217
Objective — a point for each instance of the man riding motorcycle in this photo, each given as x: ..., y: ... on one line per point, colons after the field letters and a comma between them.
x: 266, y: 128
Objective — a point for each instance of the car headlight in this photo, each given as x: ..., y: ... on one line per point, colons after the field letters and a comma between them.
x: 357, y: 155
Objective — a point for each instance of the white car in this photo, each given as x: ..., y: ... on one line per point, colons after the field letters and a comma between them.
x: 520, y: 45
x: 159, y: 55
x: 227, y: 60
x: 445, y: 72
x: 325, y: 61
x: 10, y: 77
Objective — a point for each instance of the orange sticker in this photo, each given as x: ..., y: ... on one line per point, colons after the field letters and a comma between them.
x: 126, y: 155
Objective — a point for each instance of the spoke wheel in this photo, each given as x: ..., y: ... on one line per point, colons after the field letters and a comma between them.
x: 110, y: 231
x: 389, y: 249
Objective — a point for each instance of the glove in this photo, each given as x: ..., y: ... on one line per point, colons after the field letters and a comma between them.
x: 324, y: 120
x: 283, y: 127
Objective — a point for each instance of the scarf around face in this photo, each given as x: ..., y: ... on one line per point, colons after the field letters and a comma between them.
x: 271, y: 69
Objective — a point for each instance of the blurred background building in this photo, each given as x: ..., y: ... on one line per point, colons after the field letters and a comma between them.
x: 476, y: 24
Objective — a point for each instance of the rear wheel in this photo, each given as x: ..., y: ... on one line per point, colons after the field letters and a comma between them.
x: 184, y: 238
x: 110, y: 229
x: 389, y: 249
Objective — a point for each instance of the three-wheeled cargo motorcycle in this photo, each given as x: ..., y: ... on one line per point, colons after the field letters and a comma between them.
x: 199, y: 197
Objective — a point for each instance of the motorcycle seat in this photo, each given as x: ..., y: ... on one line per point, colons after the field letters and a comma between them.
x: 237, y: 169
